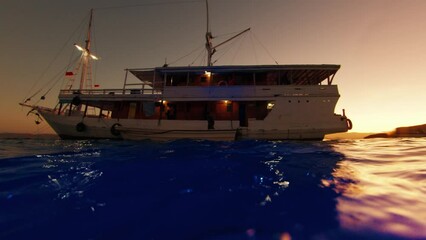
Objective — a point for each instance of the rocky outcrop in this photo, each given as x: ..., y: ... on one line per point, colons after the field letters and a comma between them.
x: 413, y: 131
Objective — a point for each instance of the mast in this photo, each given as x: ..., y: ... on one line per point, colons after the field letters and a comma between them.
x: 86, y: 53
x: 209, y: 37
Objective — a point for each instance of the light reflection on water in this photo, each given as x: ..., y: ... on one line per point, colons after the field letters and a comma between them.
x: 383, y: 186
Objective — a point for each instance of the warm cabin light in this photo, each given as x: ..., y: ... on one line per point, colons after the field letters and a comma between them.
x: 79, y: 48
x: 208, y: 74
x: 225, y: 101
x: 270, y: 105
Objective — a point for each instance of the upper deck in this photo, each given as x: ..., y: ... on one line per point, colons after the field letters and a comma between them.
x: 237, y: 75
x: 208, y: 82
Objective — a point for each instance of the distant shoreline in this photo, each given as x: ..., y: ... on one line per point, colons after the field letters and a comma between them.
x: 411, y: 131
x: 28, y: 136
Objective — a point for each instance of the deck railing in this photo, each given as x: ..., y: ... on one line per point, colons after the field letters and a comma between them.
x: 143, y: 89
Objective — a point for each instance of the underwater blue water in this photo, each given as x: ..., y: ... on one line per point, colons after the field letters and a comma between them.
x: 341, y: 189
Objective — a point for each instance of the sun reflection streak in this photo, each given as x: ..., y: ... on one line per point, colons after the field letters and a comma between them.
x: 379, y: 188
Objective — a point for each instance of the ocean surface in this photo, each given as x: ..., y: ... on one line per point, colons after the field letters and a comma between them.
x: 337, y: 189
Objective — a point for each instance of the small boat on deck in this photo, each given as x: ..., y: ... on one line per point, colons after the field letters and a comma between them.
x: 271, y: 102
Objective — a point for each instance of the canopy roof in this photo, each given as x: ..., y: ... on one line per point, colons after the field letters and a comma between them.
x: 298, y: 74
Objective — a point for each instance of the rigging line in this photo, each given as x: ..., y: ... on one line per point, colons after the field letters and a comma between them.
x: 238, y: 49
x: 49, y: 82
x: 264, y: 48
x: 197, y: 49
x: 230, y: 46
x: 148, y: 4
x: 55, y: 82
x: 204, y: 58
x: 198, y: 56
x: 54, y: 59
x: 254, y: 49
x: 225, y: 50
x: 57, y: 76
x: 47, y: 92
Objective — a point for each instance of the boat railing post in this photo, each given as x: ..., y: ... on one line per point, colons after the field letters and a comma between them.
x: 100, y: 112
x: 153, y: 82
x: 60, y: 109
x: 125, y: 81
x: 70, y: 110
x: 85, y: 110
x: 143, y: 88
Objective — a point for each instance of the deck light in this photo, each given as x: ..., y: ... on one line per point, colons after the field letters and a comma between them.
x: 79, y: 48
x: 207, y: 73
x: 86, y: 52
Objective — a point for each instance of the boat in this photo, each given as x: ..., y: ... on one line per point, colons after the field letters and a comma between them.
x: 232, y: 102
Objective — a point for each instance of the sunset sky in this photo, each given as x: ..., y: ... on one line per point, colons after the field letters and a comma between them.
x: 380, y: 45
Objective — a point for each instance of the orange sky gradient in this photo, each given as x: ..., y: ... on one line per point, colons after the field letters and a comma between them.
x: 380, y: 45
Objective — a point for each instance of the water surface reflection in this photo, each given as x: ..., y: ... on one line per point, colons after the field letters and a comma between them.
x: 383, y: 187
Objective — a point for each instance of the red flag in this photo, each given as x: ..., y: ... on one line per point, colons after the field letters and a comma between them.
x: 96, y: 85
x: 69, y: 74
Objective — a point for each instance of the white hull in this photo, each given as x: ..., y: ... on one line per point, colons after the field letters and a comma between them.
x: 271, y: 128
x: 66, y: 126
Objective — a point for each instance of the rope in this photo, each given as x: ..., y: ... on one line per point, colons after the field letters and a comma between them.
x: 197, y: 49
x: 254, y: 49
x: 229, y: 47
x: 201, y: 52
x: 51, y: 63
x: 238, y: 49
x: 50, y: 82
x: 264, y: 48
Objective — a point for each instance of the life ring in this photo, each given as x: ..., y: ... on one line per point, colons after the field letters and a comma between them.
x: 80, y: 127
x: 114, y: 131
x: 222, y: 83
x: 349, y: 124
